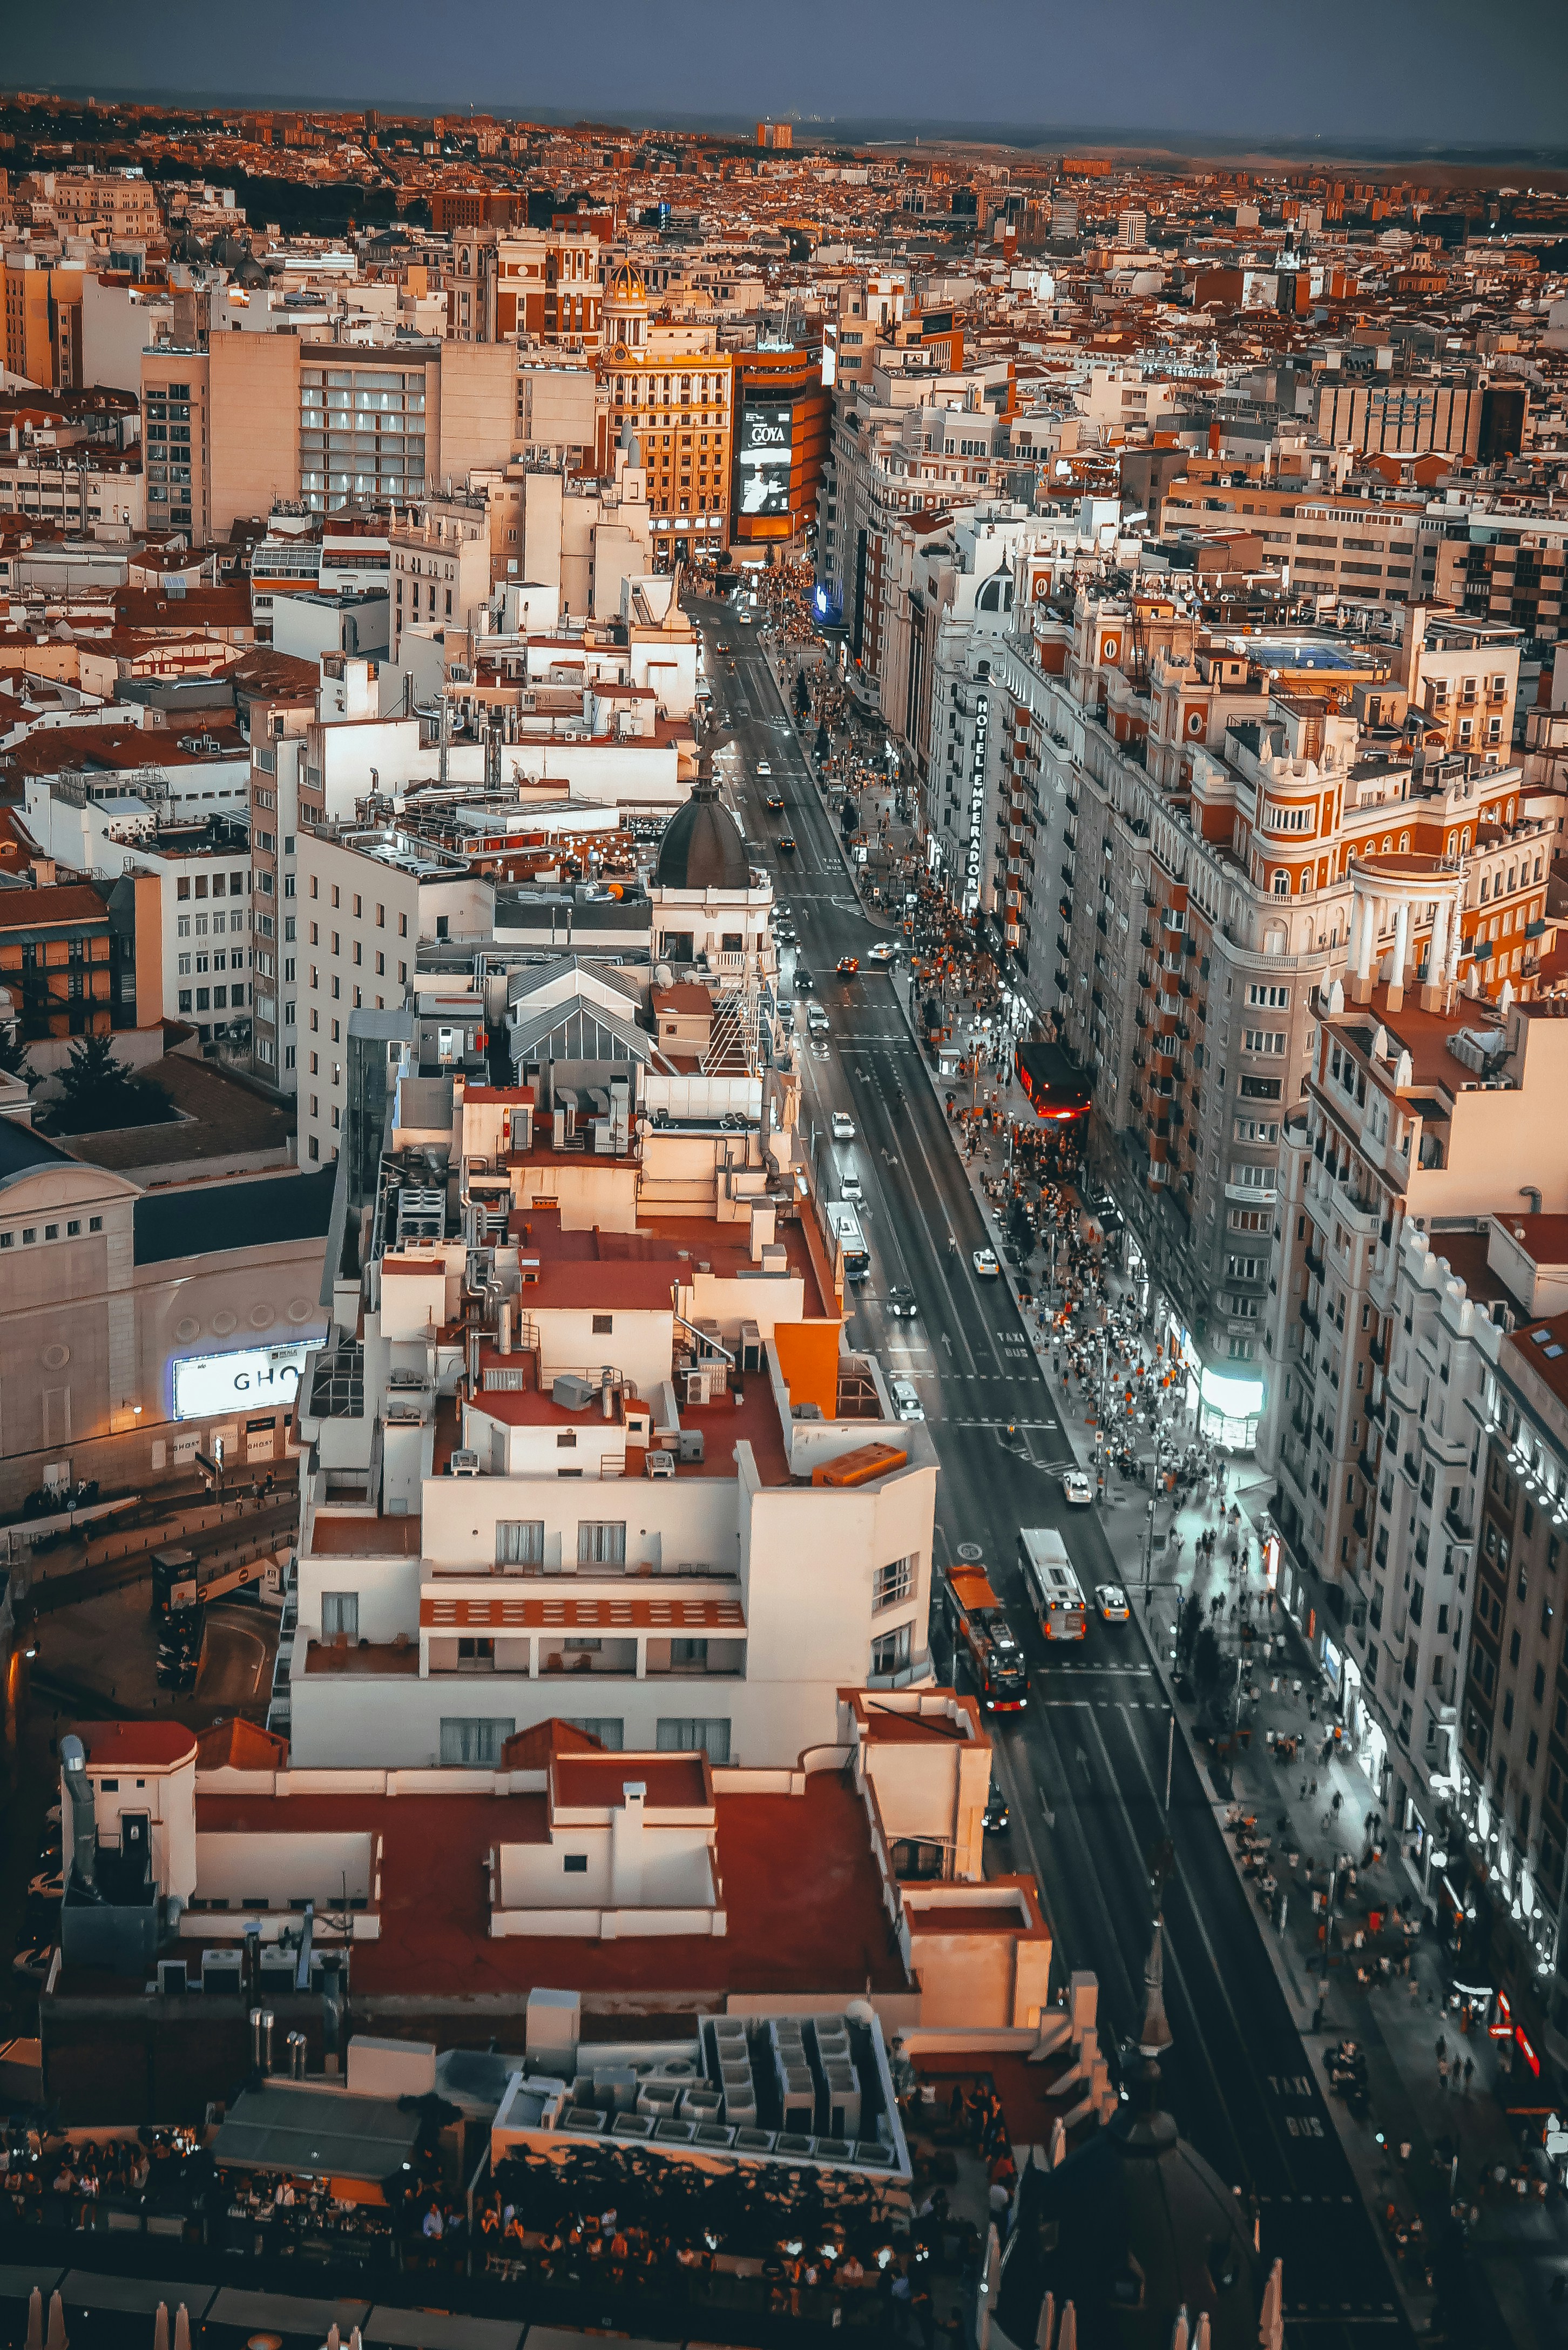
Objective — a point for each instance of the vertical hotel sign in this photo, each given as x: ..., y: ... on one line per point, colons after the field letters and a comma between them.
x: 974, y: 859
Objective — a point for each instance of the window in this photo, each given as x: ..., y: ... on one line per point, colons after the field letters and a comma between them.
x: 475, y: 1739
x: 604, y: 1325
x: 601, y: 1541
x: 520, y: 1541
x: 575, y: 1863
x: 341, y: 1616
x: 681, y: 1735
x: 891, y: 1652
x: 608, y: 1728
x: 892, y: 1583
x: 475, y: 1654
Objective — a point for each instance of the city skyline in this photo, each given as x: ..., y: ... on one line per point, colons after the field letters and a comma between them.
x: 1402, y: 92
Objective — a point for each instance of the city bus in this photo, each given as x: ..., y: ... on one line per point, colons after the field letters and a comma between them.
x: 845, y: 1225
x: 183, y: 1583
x: 1052, y: 1584
x: 1056, y: 1090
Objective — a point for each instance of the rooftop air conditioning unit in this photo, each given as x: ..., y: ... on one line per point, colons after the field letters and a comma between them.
x: 752, y: 2141
x: 660, y: 1464
x: 584, y: 2121
x: 791, y: 2142
x: 464, y: 1464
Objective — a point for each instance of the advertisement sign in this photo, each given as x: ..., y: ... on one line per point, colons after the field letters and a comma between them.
x: 763, y: 450
x: 205, y: 1386
x: 974, y: 859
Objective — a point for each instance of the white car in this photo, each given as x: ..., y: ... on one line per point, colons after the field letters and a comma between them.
x: 816, y: 1018
x: 906, y: 1402
x: 1077, y: 1489
x: 843, y: 1124
x: 984, y: 1262
x: 849, y: 1187
x: 882, y: 952
x: 1112, y: 1602
x: 763, y: 768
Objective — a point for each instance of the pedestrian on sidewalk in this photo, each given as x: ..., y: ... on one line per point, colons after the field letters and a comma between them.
x: 1469, y: 2073
x: 1442, y: 2071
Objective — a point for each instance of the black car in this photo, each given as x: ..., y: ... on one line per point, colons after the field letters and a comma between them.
x: 901, y: 1304
x: 804, y: 981
x: 996, y: 1814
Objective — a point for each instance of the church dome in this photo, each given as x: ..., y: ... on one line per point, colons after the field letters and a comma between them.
x: 1132, y: 2228
x: 625, y: 283
x: 702, y: 848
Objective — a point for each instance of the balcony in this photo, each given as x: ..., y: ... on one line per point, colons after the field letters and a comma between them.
x: 1378, y: 1351
x: 1310, y: 1318
x: 1458, y: 1526
x: 1068, y: 875
x: 1314, y: 1263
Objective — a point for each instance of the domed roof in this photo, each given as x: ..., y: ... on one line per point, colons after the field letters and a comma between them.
x: 625, y: 283
x: 1132, y: 2228
x: 701, y: 847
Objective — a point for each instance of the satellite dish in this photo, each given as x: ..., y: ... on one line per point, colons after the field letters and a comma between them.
x: 662, y: 976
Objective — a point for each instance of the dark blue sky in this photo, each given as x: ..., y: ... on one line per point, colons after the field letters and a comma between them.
x: 1412, y: 73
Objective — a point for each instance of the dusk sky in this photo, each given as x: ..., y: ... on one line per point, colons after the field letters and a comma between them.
x: 1423, y: 73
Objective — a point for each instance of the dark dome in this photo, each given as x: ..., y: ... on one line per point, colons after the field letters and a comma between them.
x: 701, y: 847
x: 1132, y: 2228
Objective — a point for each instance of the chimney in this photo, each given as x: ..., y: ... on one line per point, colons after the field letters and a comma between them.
x: 625, y: 1845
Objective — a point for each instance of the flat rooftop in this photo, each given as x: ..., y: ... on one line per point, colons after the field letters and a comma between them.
x: 801, y: 1889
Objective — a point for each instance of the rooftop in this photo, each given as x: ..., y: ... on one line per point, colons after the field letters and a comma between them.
x: 186, y: 1223
x: 801, y: 1889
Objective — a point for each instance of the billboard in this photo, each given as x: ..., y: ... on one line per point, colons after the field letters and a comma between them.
x: 207, y: 1385
x: 763, y: 447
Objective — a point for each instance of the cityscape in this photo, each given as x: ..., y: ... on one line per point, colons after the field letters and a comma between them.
x: 769, y: 781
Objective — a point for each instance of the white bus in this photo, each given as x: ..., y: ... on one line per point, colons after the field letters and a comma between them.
x: 1053, y: 1587
x: 845, y: 1225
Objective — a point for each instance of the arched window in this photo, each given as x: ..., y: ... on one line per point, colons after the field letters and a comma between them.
x: 1403, y: 844
x: 1305, y: 882
x: 1282, y: 882
x: 1465, y: 842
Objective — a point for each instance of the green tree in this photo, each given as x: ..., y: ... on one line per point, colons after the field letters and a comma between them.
x: 14, y: 1059
x: 98, y: 1092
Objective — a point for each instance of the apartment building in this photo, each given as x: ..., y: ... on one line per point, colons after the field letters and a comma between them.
x: 1510, y: 1822
x: 472, y: 1559
x: 1495, y: 561
x: 881, y: 470
x: 43, y: 318
x: 441, y: 564
x: 1334, y: 547
x: 254, y: 420
x: 1202, y: 801
x: 1412, y: 1108
x: 676, y: 394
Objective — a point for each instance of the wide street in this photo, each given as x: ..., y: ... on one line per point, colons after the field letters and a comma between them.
x: 1085, y: 1768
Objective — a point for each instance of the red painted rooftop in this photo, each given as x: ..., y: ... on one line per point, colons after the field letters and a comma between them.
x: 801, y: 1892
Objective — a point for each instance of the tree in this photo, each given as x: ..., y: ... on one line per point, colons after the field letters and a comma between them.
x: 823, y: 744
x: 14, y: 1059
x: 802, y: 696
x: 98, y: 1092
x: 1208, y: 1661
